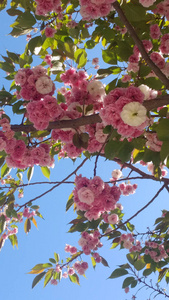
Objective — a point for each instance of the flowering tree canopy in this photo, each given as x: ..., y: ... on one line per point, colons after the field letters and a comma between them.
x: 64, y: 110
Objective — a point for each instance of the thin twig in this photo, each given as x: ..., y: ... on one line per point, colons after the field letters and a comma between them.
x: 138, y: 212
x: 55, y: 186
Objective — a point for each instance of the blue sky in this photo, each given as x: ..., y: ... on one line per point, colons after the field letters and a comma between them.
x: 39, y: 245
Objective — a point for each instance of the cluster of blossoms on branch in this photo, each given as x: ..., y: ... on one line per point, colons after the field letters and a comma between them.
x: 95, y: 198
x: 18, y: 155
x: 123, y: 110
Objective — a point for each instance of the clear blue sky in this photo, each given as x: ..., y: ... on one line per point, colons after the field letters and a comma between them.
x: 51, y: 236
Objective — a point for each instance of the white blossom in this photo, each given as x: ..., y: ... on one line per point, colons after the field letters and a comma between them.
x: 145, y: 90
x: 134, y: 114
x: 96, y: 88
x: 44, y: 85
x: 116, y: 174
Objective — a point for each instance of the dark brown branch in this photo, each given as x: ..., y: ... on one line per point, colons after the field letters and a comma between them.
x: 158, y: 290
x: 143, y: 174
x: 75, y: 123
x: 138, y: 212
x: 155, y: 103
x: 145, y: 206
x: 139, y: 44
x: 87, y: 120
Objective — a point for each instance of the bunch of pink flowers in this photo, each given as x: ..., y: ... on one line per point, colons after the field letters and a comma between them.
x: 34, y: 83
x: 95, y: 197
x: 115, y: 103
x: 95, y: 9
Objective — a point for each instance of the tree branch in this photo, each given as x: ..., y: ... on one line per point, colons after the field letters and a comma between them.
x: 55, y: 186
x: 75, y: 123
x: 87, y: 120
x: 140, y: 46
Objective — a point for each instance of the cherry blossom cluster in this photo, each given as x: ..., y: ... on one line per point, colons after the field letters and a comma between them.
x: 44, y: 7
x: 156, y: 251
x: 29, y: 213
x: 83, y: 98
x: 42, y: 111
x: 78, y: 267
x: 90, y: 241
x: 95, y: 197
x: 130, y: 243
x: 147, y: 3
x: 162, y: 9
x: 156, y: 56
x: 20, y: 156
x: 127, y: 189
x: 123, y: 110
x: 153, y: 142
x: 34, y: 83
x: 136, y: 56
x: 151, y: 168
x: 95, y: 9
x: 8, y: 230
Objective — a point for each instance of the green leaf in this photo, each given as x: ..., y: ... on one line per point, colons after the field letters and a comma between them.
x: 37, y: 279
x: 14, y: 12
x: 140, y: 264
x: 118, y: 149
x: 80, y: 58
x: 93, y: 262
x: 108, y: 71
x: 74, y: 278
x: 130, y: 226
x: 147, y: 272
x: 26, y: 20
x: 134, y: 283
x: 2, y: 159
x: 111, y: 86
x: 135, y: 12
x: 111, y: 149
x: 16, y: 107
x: 124, y: 50
x: 77, y: 140
x: 35, y: 42
x: 5, y: 94
x: 5, y: 170
x: 2, y: 223
x: 70, y: 48
x: 109, y: 57
x: 18, y: 31
x: 7, y: 67
x: 90, y: 44
x: 131, y: 258
x: 48, y: 277
x: 163, y: 112
x: 162, y: 274
x: 163, y: 130
x: 52, y: 260
x: 46, y: 172
x: 3, y: 4
x: 118, y: 272
x: 35, y: 206
x: 27, y: 226
x: 127, y: 281
x: 104, y: 262
x: 70, y: 202
x: 42, y: 266
x: 13, y: 239
x: 30, y: 173
x: 56, y: 257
